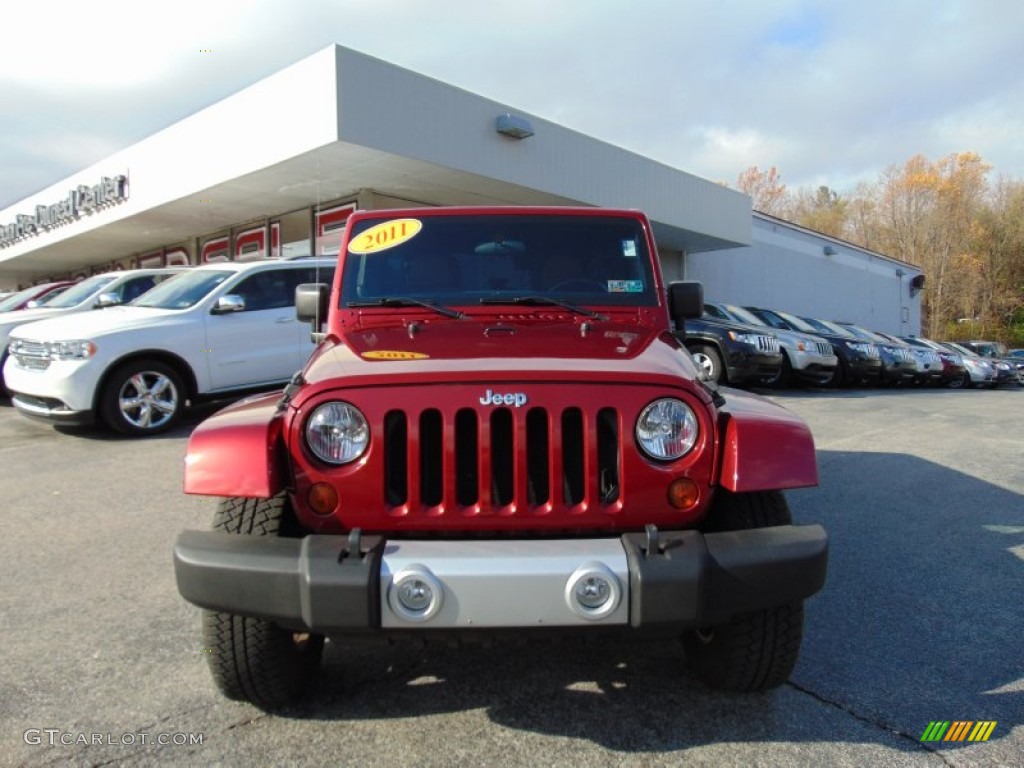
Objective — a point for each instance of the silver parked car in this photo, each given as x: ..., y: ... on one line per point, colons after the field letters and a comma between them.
x: 981, y: 371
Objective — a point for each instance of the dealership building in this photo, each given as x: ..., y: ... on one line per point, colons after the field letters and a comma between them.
x: 275, y: 169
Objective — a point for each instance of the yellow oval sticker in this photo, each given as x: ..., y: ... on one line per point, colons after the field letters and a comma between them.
x: 388, y: 354
x: 385, y: 235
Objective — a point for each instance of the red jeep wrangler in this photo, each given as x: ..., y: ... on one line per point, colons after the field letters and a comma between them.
x: 498, y: 432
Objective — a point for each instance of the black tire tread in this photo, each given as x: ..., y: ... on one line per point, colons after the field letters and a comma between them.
x: 754, y: 651
x: 253, y: 659
x: 785, y: 377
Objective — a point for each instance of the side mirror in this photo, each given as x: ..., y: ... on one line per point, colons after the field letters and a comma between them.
x: 229, y: 303
x: 685, y: 301
x: 34, y: 304
x: 312, y: 302
x: 107, y: 300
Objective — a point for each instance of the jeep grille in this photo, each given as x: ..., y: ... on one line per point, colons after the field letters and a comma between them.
x: 498, y: 458
x: 767, y: 343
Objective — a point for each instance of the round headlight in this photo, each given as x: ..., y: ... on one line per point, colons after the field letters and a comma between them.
x: 337, y: 433
x: 666, y: 429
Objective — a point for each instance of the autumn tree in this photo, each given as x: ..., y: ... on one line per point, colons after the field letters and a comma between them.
x: 862, y: 216
x: 823, y: 211
x: 765, y: 188
x: 999, y: 243
x: 927, y: 211
x: 943, y: 216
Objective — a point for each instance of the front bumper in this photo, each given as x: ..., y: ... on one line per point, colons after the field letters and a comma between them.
x: 812, y: 366
x: 745, y: 363
x: 815, y: 373
x: 48, y: 409
x: 338, y: 584
x: 863, y: 368
x: 62, y: 392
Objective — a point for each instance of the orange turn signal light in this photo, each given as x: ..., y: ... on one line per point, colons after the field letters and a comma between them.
x: 683, y: 493
x: 323, y: 499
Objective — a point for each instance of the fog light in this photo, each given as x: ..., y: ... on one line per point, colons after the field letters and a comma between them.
x: 683, y: 493
x: 593, y: 591
x: 322, y: 498
x: 415, y: 593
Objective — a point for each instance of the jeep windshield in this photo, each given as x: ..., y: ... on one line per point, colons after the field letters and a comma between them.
x: 446, y: 260
x: 182, y: 291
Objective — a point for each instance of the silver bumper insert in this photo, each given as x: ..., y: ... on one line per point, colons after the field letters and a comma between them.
x: 506, y: 583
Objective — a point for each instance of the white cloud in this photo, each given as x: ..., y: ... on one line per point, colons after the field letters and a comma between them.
x: 99, y: 44
x: 827, y: 93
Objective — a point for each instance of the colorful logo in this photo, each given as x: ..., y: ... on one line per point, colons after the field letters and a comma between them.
x: 958, y: 730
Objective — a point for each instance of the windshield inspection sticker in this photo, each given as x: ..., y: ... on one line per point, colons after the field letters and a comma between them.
x: 385, y: 235
x: 389, y: 354
x: 625, y: 286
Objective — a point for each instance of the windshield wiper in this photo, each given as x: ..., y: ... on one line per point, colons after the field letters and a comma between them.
x: 403, y: 301
x: 544, y: 301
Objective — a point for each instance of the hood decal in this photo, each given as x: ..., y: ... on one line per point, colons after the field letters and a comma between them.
x: 393, y: 354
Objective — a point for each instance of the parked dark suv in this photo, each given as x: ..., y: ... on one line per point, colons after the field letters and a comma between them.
x: 733, y: 353
x: 859, y: 361
x: 899, y: 366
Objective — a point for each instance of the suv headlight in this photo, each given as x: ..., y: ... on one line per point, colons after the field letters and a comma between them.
x: 744, y: 338
x: 70, y: 350
x: 667, y: 429
x: 337, y: 433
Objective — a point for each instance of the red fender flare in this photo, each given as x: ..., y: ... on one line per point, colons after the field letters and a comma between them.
x: 764, y: 446
x: 238, y: 451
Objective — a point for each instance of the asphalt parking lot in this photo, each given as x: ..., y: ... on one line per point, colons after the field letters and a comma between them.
x: 921, y: 620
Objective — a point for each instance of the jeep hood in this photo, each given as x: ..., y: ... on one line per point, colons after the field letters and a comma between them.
x: 476, y: 350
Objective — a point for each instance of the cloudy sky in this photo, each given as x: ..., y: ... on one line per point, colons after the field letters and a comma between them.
x: 828, y: 92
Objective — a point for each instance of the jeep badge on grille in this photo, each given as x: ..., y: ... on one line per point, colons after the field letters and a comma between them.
x: 518, y: 399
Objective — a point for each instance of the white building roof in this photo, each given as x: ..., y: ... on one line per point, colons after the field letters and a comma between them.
x: 338, y: 122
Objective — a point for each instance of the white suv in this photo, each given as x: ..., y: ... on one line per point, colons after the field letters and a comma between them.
x: 214, y: 330
x: 97, y: 292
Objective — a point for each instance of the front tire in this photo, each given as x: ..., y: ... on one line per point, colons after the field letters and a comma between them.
x: 255, y: 660
x: 785, y: 375
x: 142, y: 397
x: 961, y: 382
x: 710, y: 361
x: 840, y: 376
x: 754, y: 651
